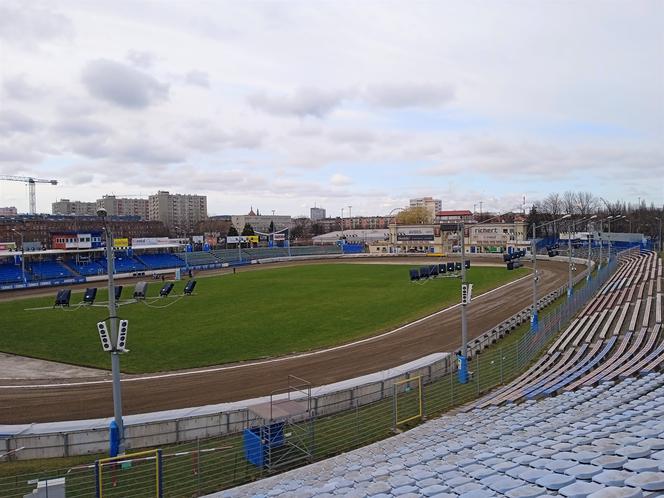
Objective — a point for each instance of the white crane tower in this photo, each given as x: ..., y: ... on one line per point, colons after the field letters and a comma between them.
x: 31, y: 187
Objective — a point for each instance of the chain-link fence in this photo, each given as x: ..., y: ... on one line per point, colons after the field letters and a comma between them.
x: 214, y: 463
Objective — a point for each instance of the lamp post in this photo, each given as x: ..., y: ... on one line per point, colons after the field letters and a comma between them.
x: 612, y: 218
x: 601, y: 239
x: 184, y: 234
x: 463, y: 360
x: 534, y: 318
x: 290, y: 225
x: 463, y: 355
x: 113, y: 317
x: 396, y: 229
x: 570, y: 286
x: 589, y: 239
x: 20, y: 234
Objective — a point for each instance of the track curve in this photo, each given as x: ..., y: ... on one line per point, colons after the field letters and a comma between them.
x: 439, y: 332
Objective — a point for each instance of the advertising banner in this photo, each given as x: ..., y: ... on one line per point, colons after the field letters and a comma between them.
x: 121, y: 243
x: 7, y: 246
x: 150, y: 241
x: 279, y: 237
x: 490, y: 235
x: 423, y: 233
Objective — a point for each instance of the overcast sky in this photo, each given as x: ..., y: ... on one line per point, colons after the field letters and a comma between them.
x: 283, y: 105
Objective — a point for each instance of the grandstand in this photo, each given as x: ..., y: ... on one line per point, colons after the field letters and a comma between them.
x: 160, y: 261
x: 198, y: 258
x: 124, y: 264
x: 265, y: 252
x: 87, y: 268
x: 577, y: 423
x: 228, y: 256
x: 613, y: 336
x: 315, y: 250
x: 10, y: 273
x: 47, y: 270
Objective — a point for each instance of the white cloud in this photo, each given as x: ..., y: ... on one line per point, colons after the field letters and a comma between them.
x: 422, y: 95
x: 339, y: 180
x: 197, y: 78
x: 141, y: 59
x: 29, y: 24
x: 302, y: 103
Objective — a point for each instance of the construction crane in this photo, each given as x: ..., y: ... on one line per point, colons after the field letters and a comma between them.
x: 31, y: 187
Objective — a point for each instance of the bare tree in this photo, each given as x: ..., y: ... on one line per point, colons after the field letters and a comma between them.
x: 553, y: 205
x: 586, y: 202
x: 570, y: 202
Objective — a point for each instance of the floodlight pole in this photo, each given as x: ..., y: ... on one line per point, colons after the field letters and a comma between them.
x: 22, y: 255
x: 589, y: 237
x: 608, y: 258
x: 463, y: 360
x: 570, y: 287
x: 534, y: 319
x: 601, y: 228
x: 115, y: 355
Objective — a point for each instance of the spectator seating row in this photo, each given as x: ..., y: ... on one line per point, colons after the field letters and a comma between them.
x: 618, y: 333
x: 315, y: 250
x: 161, y: 261
x: 198, y: 258
x: 87, y: 268
x: 266, y: 252
x: 47, y: 270
x: 124, y: 264
x: 11, y: 274
x: 601, y: 441
x: 228, y: 255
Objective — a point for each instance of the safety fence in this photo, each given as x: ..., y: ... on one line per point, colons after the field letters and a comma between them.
x: 208, y: 464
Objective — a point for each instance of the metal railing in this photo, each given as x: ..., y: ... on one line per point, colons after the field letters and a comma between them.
x: 209, y: 464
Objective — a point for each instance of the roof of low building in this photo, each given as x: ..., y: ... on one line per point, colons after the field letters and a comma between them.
x: 462, y: 212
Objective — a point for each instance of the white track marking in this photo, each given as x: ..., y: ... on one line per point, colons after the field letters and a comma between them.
x: 260, y: 362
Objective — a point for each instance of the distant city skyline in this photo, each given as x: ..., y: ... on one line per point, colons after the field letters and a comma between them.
x: 295, y: 104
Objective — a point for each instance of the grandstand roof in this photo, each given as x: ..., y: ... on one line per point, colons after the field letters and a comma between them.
x: 56, y: 252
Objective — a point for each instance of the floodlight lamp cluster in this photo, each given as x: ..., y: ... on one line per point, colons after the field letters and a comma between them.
x: 450, y: 269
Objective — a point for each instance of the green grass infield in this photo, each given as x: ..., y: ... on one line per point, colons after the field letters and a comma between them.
x: 230, y: 318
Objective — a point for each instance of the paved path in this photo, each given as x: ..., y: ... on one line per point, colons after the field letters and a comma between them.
x: 14, y: 367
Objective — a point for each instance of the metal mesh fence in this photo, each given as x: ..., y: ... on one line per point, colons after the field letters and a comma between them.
x: 210, y: 464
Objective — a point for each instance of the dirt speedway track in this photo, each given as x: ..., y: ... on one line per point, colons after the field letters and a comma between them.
x: 154, y: 392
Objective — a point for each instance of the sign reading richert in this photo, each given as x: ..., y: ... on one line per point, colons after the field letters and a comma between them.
x: 424, y: 233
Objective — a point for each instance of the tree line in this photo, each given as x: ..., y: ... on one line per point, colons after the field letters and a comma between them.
x: 626, y: 216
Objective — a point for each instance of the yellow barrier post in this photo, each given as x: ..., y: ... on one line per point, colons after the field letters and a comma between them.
x: 396, y: 385
x: 142, y: 455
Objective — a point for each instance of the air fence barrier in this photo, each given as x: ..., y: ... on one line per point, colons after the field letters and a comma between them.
x: 204, y: 452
